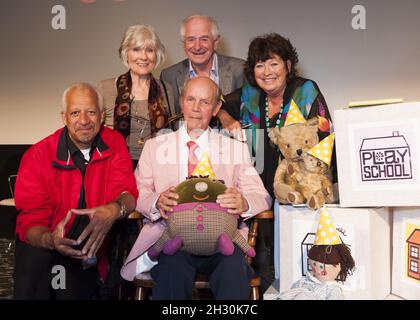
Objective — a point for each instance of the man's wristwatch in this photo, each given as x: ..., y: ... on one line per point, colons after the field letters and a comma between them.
x: 123, y: 209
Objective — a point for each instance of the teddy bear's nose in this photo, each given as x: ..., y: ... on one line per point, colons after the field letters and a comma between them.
x: 299, y: 152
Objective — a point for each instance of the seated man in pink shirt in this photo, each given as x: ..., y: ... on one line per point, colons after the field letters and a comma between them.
x: 163, y: 165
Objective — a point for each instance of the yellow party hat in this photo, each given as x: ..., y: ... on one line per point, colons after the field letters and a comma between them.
x: 203, y: 168
x: 294, y: 115
x: 323, y: 150
x: 326, y: 233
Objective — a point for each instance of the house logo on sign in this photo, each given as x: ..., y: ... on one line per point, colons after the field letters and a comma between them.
x: 413, y: 264
x: 305, y: 246
x: 385, y: 158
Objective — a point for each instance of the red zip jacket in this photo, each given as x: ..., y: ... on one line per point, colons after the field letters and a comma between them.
x: 48, y: 183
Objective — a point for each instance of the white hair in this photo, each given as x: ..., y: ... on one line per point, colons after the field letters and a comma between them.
x: 214, y: 27
x: 141, y: 36
x: 82, y: 85
x: 216, y: 89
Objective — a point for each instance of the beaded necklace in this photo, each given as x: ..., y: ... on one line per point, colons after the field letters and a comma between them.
x: 267, y: 119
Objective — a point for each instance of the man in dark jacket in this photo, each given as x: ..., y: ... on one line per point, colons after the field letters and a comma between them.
x: 200, y: 36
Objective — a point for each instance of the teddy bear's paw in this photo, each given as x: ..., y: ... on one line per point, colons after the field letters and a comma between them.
x: 172, y: 245
x: 291, y: 197
x: 281, y: 192
x: 332, y: 196
x: 314, y: 203
x: 329, y: 191
x: 225, y: 245
x: 295, y: 197
x: 282, y: 201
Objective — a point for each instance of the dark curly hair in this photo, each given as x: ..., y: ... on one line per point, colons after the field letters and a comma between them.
x: 334, y: 254
x: 265, y: 47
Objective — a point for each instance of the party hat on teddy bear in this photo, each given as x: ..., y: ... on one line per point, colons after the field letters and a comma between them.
x: 323, y: 150
x: 326, y: 233
x: 294, y: 115
x: 204, y: 167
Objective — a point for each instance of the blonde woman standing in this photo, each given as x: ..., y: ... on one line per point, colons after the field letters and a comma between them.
x: 137, y: 104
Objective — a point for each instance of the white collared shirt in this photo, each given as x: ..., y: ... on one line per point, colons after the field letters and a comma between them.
x: 86, y: 154
x: 214, y: 71
x: 203, y: 143
x: 184, y: 138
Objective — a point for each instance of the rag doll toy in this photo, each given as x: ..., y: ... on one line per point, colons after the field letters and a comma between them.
x: 313, y: 181
x: 330, y: 262
x: 198, y: 224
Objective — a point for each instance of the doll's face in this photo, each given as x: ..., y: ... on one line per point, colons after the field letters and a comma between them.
x: 199, y: 190
x: 324, y: 272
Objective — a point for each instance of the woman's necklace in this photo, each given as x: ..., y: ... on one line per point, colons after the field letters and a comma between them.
x: 267, y: 119
x: 137, y: 118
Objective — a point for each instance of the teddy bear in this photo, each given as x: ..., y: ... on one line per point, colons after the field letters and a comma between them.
x: 292, y: 140
x: 198, y: 224
x: 313, y: 183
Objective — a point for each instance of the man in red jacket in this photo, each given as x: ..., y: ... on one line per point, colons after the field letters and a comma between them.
x: 71, y: 188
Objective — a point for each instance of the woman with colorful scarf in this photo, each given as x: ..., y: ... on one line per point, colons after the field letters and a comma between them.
x: 263, y: 103
x: 137, y: 104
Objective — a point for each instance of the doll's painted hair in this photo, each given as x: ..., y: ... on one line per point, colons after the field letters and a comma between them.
x: 334, y: 254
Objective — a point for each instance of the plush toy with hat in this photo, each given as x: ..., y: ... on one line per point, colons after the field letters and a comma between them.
x: 313, y: 180
x: 293, y: 139
x: 198, y: 224
x: 330, y: 262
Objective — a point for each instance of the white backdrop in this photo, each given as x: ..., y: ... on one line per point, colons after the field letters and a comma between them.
x: 37, y: 62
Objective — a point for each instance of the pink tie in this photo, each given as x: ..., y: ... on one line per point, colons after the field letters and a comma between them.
x: 192, y: 158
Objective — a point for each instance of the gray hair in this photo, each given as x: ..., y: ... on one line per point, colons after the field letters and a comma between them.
x: 139, y: 36
x: 214, y: 27
x: 82, y: 85
x: 217, y: 93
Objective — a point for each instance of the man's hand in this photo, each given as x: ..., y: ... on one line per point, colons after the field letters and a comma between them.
x: 166, y: 201
x: 62, y: 244
x: 233, y: 200
x: 101, y: 220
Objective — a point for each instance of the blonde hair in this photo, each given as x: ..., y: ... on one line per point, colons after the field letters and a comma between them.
x: 141, y: 36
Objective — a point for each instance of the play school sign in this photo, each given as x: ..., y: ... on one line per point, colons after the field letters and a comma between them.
x: 378, y: 155
x: 385, y: 158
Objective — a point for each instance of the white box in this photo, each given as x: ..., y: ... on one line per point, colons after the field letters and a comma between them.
x: 366, y: 231
x: 272, y: 293
x: 378, y: 153
x: 406, y: 253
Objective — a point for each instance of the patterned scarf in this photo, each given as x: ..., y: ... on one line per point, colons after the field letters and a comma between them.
x: 156, y: 105
x: 250, y: 111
